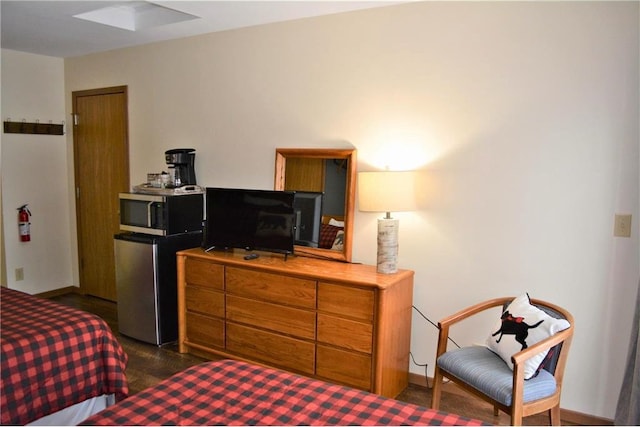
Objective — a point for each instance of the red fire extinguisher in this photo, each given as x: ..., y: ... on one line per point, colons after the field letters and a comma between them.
x: 24, y: 226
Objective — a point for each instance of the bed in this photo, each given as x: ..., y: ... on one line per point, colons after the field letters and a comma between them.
x: 231, y: 392
x: 54, y: 357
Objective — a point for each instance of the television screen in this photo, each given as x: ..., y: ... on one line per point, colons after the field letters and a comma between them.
x: 249, y: 219
x: 308, y: 217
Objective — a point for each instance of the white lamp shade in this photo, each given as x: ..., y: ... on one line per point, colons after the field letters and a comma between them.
x: 386, y: 191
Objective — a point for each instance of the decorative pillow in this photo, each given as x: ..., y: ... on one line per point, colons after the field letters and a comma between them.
x: 520, y: 326
x: 328, y: 235
x: 338, y: 243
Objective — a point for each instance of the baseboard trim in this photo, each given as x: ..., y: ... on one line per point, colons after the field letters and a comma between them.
x: 584, y: 419
x: 573, y: 417
x: 58, y: 292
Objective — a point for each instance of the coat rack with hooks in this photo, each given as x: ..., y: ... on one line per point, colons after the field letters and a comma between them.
x: 36, y: 127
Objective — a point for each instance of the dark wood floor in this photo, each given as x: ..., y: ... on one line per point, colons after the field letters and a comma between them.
x: 149, y: 364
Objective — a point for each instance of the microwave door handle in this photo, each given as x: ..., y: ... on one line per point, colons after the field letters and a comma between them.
x: 149, y: 216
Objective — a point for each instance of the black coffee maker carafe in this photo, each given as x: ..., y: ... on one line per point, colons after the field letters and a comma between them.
x: 182, y: 161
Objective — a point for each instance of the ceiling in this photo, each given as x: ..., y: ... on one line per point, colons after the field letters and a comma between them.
x: 49, y: 27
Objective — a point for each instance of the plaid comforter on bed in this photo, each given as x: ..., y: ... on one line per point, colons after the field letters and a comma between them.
x: 53, y: 356
x: 231, y: 392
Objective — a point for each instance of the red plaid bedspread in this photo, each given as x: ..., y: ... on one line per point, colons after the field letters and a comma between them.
x: 231, y: 392
x: 54, y: 356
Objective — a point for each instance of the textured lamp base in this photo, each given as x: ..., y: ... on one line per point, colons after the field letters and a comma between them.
x: 387, y: 245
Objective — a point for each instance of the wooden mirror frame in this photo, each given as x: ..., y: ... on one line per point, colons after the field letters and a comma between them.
x: 349, y: 201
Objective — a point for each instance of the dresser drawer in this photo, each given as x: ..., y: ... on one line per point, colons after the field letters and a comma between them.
x: 278, y: 318
x: 205, y: 301
x: 267, y: 347
x: 346, y: 301
x: 349, y: 334
x: 275, y: 288
x: 204, y: 273
x: 205, y: 330
x: 353, y: 369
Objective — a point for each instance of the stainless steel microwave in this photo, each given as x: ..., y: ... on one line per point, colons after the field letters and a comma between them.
x: 161, y: 215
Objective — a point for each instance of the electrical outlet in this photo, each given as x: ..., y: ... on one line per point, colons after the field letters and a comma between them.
x: 622, y: 227
x: 19, y: 274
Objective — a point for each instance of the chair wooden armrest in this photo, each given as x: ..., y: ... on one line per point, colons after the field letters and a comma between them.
x: 463, y: 314
x: 546, y: 344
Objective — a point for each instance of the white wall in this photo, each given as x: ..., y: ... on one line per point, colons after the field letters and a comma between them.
x: 522, y: 115
x: 34, y: 171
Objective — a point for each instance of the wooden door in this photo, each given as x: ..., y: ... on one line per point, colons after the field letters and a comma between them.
x: 100, y: 135
x: 304, y: 174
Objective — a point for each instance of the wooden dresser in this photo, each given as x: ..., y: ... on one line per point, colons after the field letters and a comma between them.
x: 339, y: 322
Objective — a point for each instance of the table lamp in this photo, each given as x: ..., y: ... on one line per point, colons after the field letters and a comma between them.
x: 388, y: 192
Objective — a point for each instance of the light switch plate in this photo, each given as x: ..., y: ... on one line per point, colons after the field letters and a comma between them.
x: 622, y: 227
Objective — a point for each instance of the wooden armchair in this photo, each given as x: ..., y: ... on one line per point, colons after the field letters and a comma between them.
x: 484, y: 374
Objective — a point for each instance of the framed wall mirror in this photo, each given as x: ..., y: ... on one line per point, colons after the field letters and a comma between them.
x: 324, y: 181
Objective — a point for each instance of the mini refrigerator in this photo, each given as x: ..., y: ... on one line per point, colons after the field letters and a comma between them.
x: 146, y: 282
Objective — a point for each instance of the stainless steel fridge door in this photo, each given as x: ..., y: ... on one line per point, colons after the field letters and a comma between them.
x: 136, y: 284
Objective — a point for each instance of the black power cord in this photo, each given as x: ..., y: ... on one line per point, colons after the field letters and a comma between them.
x: 426, y: 365
x: 436, y: 326
x: 426, y: 377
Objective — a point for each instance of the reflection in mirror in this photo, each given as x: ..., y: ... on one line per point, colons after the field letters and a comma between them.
x: 325, y: 180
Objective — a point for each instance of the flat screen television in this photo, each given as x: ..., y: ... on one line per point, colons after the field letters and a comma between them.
x: 308, y: 217
x: 249, y: 219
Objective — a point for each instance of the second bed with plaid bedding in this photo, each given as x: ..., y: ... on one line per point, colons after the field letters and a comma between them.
x: 231, y: 392
x: 54, y: 356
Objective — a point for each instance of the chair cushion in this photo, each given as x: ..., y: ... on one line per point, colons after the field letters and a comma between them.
x: 521, y: 325
x: 485, y: 371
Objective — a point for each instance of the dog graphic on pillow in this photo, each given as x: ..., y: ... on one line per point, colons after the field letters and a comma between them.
x: 515, y: 326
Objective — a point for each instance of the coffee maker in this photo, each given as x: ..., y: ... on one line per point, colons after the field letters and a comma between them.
x: 182, y: 161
